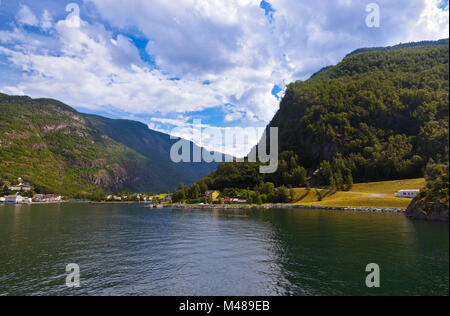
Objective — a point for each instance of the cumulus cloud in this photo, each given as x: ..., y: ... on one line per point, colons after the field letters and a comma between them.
x: 234, y: 45
x: 26, y: 16
x: 46, y: 20
x: 96, y: 70
x: 235, y: 141
x: 226, y: 54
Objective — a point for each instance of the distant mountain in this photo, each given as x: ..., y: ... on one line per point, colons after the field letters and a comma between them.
x: 58, y: 149
x: 380, y: 114
x: 153, y: 145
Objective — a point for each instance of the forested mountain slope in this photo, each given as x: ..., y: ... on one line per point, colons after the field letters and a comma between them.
x: 60, y: 150
x: 380, y: 114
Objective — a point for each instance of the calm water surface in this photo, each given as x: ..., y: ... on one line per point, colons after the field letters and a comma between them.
x: 132, y: 250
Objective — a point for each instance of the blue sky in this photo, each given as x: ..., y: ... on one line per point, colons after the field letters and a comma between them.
x: 166, y: 63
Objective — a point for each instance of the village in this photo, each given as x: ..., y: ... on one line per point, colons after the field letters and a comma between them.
x: 211, y: 197
x: 22, y: 193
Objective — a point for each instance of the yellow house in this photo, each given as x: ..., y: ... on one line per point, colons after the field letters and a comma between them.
x: 212, y: 194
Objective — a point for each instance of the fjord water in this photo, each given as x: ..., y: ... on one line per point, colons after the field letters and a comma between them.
x: 134, y: 250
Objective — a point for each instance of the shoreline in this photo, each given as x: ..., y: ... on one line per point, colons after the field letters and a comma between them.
x: 123, y: 202
x: 35, y: 203
x: 292, y: 206
x: 245, y: 207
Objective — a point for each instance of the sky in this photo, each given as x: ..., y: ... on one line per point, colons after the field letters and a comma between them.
x: 167, y: 63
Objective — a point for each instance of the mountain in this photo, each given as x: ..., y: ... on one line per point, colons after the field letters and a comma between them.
x: 155, y: 146
x: 422, y: 44
x: 380, y: 114
x: 383, y: 114
x: 58, y: 149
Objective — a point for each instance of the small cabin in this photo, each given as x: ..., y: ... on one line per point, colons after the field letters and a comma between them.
x: 410, y: 194
x: 214, y: 195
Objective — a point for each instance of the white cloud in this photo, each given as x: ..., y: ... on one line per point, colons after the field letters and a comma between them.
x: 431, y: 20
x: 26, y: 16
x: 231, y: 44
x: 236, y: 141
x: 46, y: 20
x: 95, y: 71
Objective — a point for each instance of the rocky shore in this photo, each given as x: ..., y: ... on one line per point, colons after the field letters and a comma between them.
x: 428, y: 211
x: 292, y: 206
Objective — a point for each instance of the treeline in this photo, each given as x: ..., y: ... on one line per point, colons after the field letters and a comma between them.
x: 437, y: 187
x: 290, y: 173
x: 244, y: 181
x: 191, y: 194
x: 404, y: 45
x: 264, y: 192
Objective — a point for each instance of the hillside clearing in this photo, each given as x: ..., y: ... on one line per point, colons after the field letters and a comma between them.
x: 375, y: 195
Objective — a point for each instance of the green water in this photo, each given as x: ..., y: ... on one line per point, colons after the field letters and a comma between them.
x: 132, y: 250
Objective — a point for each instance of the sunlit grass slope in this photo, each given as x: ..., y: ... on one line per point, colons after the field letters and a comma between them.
x: 375, y: 194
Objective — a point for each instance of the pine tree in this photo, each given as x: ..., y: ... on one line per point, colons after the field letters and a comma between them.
x: 6, y: 191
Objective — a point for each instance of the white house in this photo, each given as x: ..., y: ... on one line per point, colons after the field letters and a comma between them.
x: 411, y: 194
x: 2, y: 199
x: 14, y: 199
x: 20, y: 187
x: 52, y: 198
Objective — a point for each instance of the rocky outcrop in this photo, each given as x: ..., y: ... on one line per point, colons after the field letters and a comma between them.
x: 430, y: 211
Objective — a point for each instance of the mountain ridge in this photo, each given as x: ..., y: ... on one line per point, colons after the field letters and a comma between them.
x: 378, y: 115
x: 38, y: 136
x: 381, y: 93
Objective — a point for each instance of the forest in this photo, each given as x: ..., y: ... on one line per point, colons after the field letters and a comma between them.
x: 379, y: 115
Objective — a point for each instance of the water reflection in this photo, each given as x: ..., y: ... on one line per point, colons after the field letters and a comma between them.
x: 132, y: 250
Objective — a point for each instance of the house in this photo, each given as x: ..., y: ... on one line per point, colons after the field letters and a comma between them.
x: 20, y: 187
x: 238, y: 201
x: 411, y: 194
x: 14, y: 199
x: 52, y: 198
x: 167, y: 199
x: 213, y: 195
x: 14, y: 188
x: 38, y: 198
x: 2, y: 199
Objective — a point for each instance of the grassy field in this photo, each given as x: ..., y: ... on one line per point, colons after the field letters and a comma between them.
x: 375, y: 194
x: 388, y: 187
